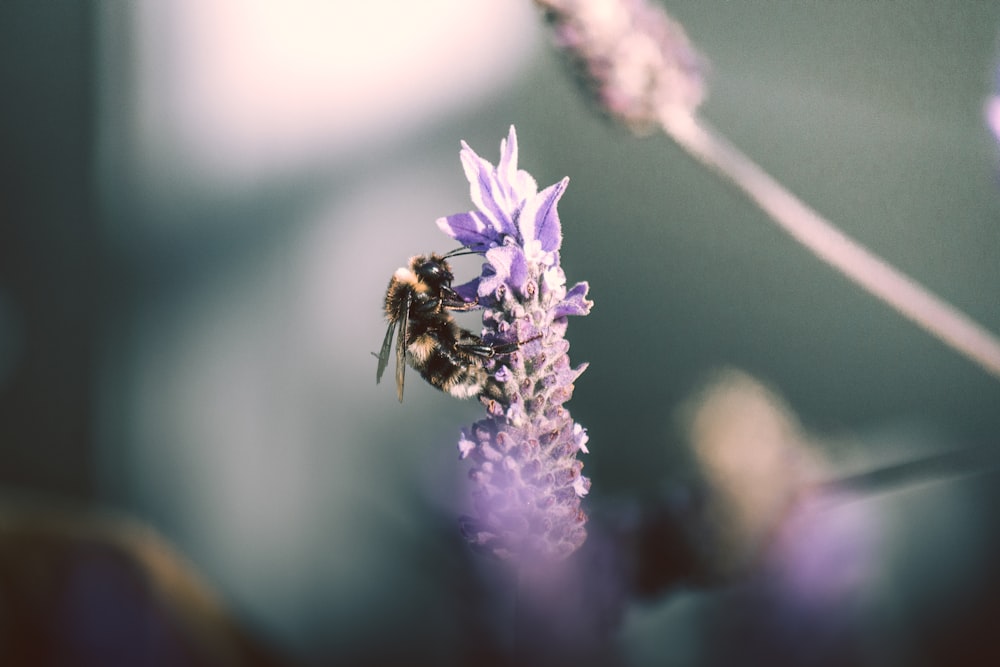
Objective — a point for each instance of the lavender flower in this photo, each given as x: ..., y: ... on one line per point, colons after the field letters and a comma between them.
x: 528, y: 479
x: 635, y: 60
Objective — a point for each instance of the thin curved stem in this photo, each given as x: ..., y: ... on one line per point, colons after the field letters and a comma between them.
x: 843, y: 253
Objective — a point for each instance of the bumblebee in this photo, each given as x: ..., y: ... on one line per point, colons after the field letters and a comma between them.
x: 420, y: 301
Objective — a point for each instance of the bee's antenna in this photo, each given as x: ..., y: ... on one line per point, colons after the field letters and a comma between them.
x: 461, y: 250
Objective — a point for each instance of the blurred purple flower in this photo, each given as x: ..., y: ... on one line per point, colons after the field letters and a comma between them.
x: 826, y: 549
x: 635, y: 61
x: 528, y: 479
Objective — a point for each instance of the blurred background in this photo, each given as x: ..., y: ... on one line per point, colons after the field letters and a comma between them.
x: 203, y: 202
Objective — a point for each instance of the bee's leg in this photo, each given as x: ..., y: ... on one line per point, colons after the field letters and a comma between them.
x: 460, y: 306
x: 491, y: 350
x: 450, y: 299
x: 471, y: 344
x: 481, y: 349
x: 507, y: 348
x: 457, y: 304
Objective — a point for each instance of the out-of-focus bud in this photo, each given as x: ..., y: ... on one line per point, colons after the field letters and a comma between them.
x: 755, y: 461
x: 635, y: 61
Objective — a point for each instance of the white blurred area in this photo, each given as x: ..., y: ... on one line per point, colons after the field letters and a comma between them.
x: 239, y: 410
x: 239, y: 89
x: 992, y: 113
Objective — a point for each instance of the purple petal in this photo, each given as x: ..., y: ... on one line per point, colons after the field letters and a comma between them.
x: 580, y: 438
x: 516, y: 185
x: 488, y: 283
x: 485, y: 191
x: 524, y: 187
x: 507, y: 168
x: 469, y: 229
x: 510, y: 265
x: 519, y: 271
x: 575, y: 302
x: 465, y: 445
x: 540, y: 219
x: 468, y: 291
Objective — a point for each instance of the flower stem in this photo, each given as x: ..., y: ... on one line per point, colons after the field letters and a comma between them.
x: 843, y: 253
x: 960, y: 462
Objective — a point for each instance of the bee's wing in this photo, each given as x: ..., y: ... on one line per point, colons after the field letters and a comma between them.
x: 404, y: 316
x: 383, y: 355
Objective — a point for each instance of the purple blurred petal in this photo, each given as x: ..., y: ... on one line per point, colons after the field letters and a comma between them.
x: 824, y: 551
x: 465, y: 445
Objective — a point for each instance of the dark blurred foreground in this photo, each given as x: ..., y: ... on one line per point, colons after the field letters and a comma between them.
x: 92, y: 588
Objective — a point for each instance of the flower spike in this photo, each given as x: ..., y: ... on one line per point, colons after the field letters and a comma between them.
x: 528, y: 481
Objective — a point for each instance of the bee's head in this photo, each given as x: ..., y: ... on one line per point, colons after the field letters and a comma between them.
x: 432, y: 270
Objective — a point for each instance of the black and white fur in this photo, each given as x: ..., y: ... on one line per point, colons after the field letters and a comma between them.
x: 420, y: 301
